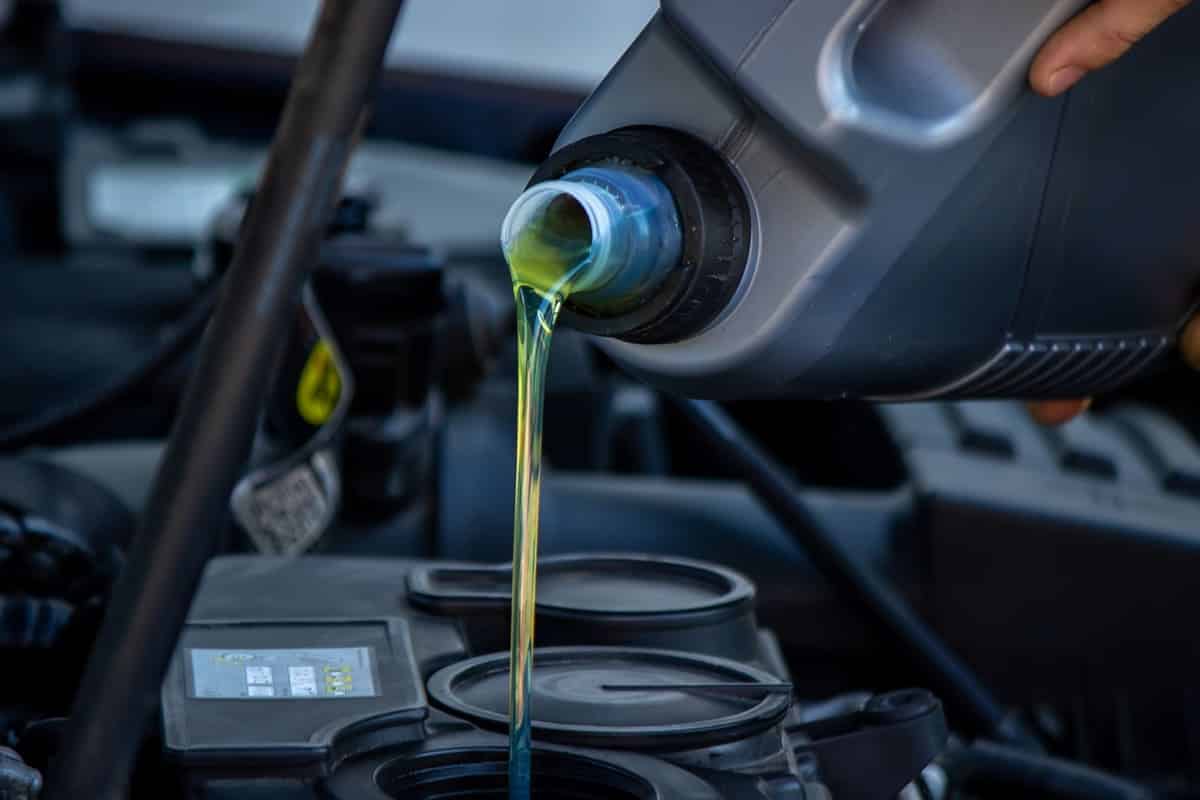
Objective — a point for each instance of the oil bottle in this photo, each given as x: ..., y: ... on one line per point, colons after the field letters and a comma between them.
x: 872, y: 203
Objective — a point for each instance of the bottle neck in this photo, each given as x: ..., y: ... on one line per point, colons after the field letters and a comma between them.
x: 605, y: 237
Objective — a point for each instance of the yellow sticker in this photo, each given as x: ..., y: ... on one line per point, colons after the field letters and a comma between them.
x: 320, y: 386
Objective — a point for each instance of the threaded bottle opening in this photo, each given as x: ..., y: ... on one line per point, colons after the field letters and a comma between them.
x: 549, y: 236
x: 604, y: 237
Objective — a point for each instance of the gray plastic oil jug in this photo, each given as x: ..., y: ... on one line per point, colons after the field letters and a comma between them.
x: 873, y: 203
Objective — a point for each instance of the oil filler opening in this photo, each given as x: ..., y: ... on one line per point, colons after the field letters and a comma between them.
x: 482, y: 773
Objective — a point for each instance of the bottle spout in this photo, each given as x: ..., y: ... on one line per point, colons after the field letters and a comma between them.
x: 647, y: 229
x: 603, y: 238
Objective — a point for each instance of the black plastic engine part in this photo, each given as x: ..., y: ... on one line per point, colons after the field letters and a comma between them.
x: 860, y: 585
x: 602, y: 697
x: 411, y: 336
x: 718, y: 521
x: 643, y: 601
x: 897, y: 733
x: 387, y: 305
x: 383, y: 299
x: 328, y: 683
x: 1059, y: 560
x: 386, y: 302
x: 61, y: 536
x: 404, y: 324
x: 306, y: 675
x: 474, y: 766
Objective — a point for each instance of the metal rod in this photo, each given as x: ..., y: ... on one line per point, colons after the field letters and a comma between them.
x: 189, y: 504
x: 753, y: 689
x: 964, y: 693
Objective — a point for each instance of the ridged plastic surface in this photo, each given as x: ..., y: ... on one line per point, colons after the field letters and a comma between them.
x: 1060, y: 368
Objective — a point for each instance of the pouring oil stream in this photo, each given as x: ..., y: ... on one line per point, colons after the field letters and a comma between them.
x: 542, y: 260
x: 603, y: 237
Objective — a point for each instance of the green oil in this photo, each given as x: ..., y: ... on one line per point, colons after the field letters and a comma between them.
x: 545, y: 261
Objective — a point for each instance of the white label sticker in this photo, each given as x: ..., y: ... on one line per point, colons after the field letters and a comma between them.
x: 260, y: 676
x: 303, y: 681
x: 304, y: 673
x: 292, y: 509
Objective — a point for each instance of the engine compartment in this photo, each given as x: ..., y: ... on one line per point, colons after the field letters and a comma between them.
x: 948, y: 504
x: 347, y: 639
x: 403, y: 683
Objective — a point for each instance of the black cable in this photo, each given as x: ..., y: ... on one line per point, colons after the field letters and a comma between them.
x: 984, y: 765
x: 181, y: 336
x: 188, y: 507
x: 957, y: 685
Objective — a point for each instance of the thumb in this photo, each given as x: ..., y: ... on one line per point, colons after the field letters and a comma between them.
x: 1096, y: 37
x: 1189, y: 343
x: 1056, y: 412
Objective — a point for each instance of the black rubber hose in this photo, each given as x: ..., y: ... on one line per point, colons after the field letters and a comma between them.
x: 969, y: 701
x: 188, y: 507
x: 183, y: 334
x: 984, y: 765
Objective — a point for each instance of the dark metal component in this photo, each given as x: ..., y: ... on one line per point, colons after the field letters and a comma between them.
x: 18, y: 780
x: 387, y: 303
x: 62, y: 537
x: 968, y: 698
x: 749, y: 689
x: 188, y: 507
x: 896, y: 749
x: 898, y: 706
x: 72, y: 527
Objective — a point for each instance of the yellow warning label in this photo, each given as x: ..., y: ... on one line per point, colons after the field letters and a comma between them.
x: 320, y: 386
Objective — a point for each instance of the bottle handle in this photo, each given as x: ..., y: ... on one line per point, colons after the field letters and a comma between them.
x: 928, y: 73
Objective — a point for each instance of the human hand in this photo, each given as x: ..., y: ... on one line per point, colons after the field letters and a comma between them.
x: 1099, y: 35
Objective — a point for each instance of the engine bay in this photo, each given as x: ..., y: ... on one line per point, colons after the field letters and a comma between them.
x: 767, y: 599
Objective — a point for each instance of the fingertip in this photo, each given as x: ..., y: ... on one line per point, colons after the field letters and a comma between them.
x: 1095, y: 37
x: 1063, y: 78
x: 1057, y: 412
x: 1052, y: 60
x: 1189, y: 343
x: 1039, y: 79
